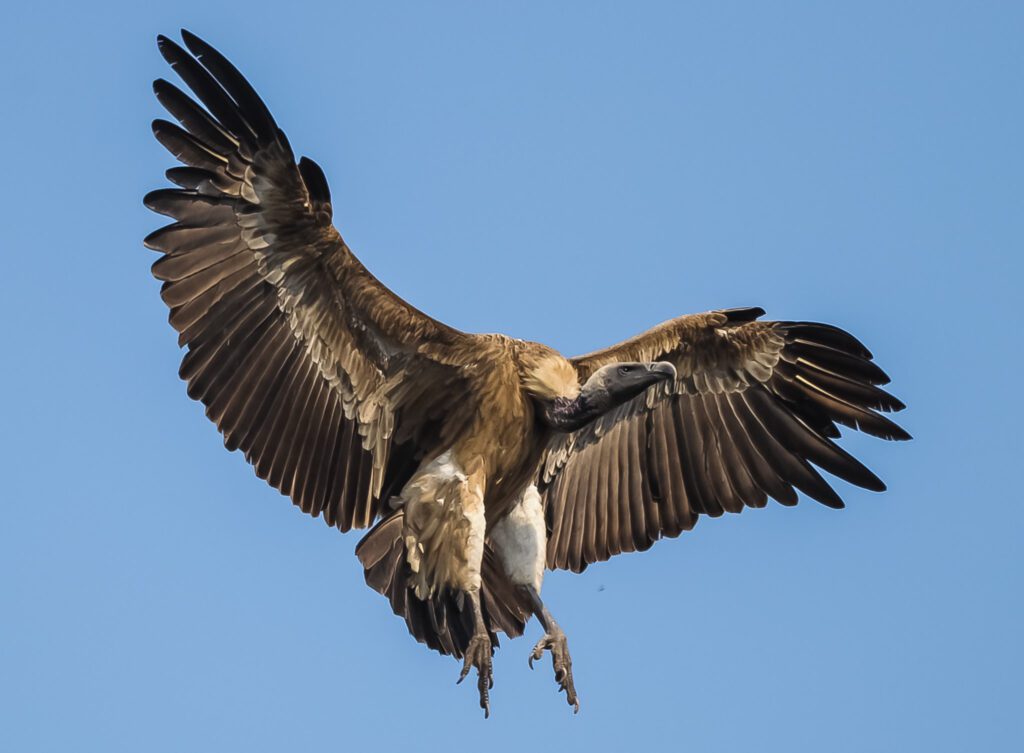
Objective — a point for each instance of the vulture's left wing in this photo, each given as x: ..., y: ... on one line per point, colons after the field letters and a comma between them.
x: 305, y: 362
x: 753, y: 406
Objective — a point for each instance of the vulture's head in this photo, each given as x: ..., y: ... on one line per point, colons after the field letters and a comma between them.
x: 617, y: 383
x: 607, y: 388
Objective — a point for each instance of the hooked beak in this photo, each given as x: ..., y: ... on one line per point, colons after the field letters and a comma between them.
x: 663, y: 370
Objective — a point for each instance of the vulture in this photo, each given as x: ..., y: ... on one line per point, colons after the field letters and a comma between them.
x: 476, y: 461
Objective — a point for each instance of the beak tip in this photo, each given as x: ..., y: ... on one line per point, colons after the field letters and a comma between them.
x: 664, y: 368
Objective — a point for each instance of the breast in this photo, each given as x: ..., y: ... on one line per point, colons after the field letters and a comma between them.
x: 503, y: 425
x: 506, y: 441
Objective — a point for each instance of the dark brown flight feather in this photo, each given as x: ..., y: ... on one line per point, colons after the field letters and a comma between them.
x: 753, y: 411
x: 285, y: 329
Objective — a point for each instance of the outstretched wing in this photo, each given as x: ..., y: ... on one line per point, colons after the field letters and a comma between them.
x: 317, y: 372
x: 754, y: 405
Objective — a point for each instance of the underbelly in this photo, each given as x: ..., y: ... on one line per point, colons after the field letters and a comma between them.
x: 520, y: 540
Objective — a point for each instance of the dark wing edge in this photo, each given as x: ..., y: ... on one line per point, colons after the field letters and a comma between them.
x: 301, y: 357
x: 754, y: 409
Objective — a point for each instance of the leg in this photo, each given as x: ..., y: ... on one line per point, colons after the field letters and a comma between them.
x: 478, y: 654
x: 555, y: 641
x: 520, y: 539
x: 443, y: 532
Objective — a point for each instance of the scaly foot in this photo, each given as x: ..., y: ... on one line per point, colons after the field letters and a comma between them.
x: 478, y: 654
x: 555, y: 641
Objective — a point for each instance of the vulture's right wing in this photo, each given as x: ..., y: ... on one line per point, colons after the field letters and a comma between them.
x: 303, y: 359
x: 753, y: 406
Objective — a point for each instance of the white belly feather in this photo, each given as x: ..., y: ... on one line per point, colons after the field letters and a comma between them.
x: 520, y: 539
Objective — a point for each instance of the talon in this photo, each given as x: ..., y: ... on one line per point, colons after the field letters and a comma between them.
x: 561, y: 662
x: 467, y: 664
x: 478, y: 654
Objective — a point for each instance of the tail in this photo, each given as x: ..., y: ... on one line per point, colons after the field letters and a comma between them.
x: 440, y: 622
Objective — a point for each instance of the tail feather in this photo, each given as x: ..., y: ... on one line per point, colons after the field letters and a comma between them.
x: 443, y: 622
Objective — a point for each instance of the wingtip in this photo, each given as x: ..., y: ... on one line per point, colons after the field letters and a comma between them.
x: 895, y: 432
x: 169, y: 49
x: 833, y: 501
x: 896, y: 405
x: 159, y: 125
x: 148, y: 241
x: 743, y: 314
x: 875, y: 484
x: 192, y: 42
x: 158, y: 201
x: 147, y: 201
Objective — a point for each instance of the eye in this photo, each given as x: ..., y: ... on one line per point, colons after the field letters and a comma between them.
x: 626, y: 370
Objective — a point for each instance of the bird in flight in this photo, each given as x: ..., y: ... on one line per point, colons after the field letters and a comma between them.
x: 476, y: 461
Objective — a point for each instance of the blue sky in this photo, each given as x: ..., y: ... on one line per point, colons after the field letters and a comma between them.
x: 568, y: 174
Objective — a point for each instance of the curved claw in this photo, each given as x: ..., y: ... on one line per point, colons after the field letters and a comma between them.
x: 561, y: 661
x: 478, y: 654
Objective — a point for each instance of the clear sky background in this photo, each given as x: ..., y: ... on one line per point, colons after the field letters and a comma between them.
x: 570, y: 173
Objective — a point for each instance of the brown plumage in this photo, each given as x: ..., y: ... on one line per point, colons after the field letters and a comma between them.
x: 477, y: 459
